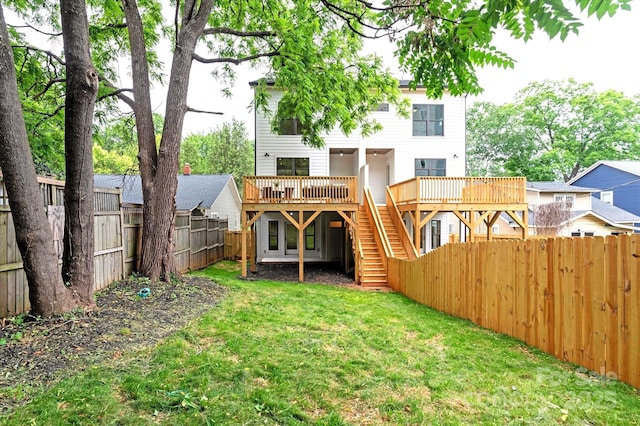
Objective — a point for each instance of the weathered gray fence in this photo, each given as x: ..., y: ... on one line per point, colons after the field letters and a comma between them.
x: 118, y: 240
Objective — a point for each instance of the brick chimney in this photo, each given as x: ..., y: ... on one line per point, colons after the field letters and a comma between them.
x: 186, y: 170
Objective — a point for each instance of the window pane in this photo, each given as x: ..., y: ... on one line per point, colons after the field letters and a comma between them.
x: 437, y: 112
x: 292, y: 167
x: 430, y: 167
x: 302, y: 167
x: 419, y: 128
x: 273, y: 235
x: 428, y: 120
x: 436, y: 128
x: 290, y: 126
x: 292, y: 237
x: 310, y: 237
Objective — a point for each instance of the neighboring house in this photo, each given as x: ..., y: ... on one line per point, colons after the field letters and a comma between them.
x: 589, y: 216
x: 203, y: 195
x: 618, y: 183
x: 316, y: 199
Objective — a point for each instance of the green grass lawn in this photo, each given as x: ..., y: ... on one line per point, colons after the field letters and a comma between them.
x: 282, y: 353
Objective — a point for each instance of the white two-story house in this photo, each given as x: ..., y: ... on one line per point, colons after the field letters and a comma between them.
x: 321, y: 191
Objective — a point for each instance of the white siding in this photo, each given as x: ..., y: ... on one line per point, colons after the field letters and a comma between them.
x: 228, y: 206
x: 396, y: 139
x: 582, y: 201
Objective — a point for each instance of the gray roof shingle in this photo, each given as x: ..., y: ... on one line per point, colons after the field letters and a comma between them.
x: 558, y: 187
x: 193, y: 190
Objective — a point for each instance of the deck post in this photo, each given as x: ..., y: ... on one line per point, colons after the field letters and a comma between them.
x: 416, y: 229
x: 244, y: 243
x: 301, y: 229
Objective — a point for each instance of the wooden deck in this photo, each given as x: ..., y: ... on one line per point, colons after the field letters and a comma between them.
x: 476, y: 201
x: 298, y: 194
x: 260, y: 190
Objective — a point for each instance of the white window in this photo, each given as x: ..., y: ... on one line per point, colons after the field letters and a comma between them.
x: 568, y: 198
x: 428, y: 120
x: 607, y: 197
x: 495, y: 229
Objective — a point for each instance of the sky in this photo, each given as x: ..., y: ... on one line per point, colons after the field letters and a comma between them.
x: 605, y: 53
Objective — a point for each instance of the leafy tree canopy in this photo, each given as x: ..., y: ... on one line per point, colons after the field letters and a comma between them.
x: 225, y: 150
x: 313, y: 49
x: 552, y: 131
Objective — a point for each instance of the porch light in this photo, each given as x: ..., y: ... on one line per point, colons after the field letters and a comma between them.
x: 375, y: 153
x: 341, y: 153
x: 266, y: 154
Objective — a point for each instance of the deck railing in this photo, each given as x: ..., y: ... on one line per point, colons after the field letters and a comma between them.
x: 300, y: 189
x: 436, y: 189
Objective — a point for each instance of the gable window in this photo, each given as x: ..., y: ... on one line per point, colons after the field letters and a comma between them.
x: 607, y: 197
x: 310, y: 236
x: 273, y: 235
x: 567, y: 198
x: 431, y: 166
x: 290, y: 126
x: 292, y: 167
x: 428, y: 120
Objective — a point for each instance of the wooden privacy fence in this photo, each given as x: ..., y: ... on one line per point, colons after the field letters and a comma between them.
x: 199, y: 240
x: 118, y: 240
x: 233, y: 244
x: 575, y: 298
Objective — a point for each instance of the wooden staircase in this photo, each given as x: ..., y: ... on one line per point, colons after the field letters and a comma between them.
x: 392, y: 233
x: 372, y: 269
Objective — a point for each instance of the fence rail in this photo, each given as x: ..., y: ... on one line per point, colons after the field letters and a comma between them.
x: 118, y: 240
x: 575, y: 298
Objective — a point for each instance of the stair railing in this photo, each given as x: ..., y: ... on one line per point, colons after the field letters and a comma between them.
x: 379, y: 234
x: 396, y: 217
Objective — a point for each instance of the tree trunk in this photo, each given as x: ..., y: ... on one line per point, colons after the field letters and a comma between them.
x: 82, y: 89
x: 158, y: 170
x: 47, y: 292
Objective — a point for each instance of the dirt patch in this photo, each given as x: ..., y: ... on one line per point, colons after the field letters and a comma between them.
x: 322, y: 273
x: 38, y: 352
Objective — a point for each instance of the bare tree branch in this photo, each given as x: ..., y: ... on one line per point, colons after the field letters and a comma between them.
x: 27, y: 25
x: 236, y: 61
x: 49, y: 115
x: 231, y: 31
x: 48, y: 86
x: 36, y: 49
x: 119, y: 93
x: 189, y: 109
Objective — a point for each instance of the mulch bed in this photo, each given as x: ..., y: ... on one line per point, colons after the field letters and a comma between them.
x: 37, y: 352
x: 321, y: 272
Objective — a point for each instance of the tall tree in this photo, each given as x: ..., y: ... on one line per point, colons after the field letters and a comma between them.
x: 81, y: 92
x: 47, y: 292
x: 552, y: 131
x: 227, y: 149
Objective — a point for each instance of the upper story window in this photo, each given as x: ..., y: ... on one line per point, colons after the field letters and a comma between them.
x: 292, y: 167
x: 564, y: 197
x: 290, y: 126
x: 431, y: 167
x: 428, y: 120
x: 567, y: 198
x: 383, y: 107
x: 607, y: 197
